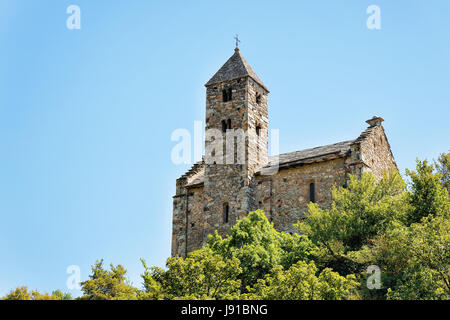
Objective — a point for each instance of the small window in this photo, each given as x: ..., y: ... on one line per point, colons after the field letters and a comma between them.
x: 258, y: 130
x: 226, y: 212
x: 258, y: 98
x: 224, y: 126
x: 227, y: 95
x: 229, y: 124
x: 312, y: 192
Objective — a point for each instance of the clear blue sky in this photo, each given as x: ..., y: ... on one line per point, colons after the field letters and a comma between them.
x: 86, y: 115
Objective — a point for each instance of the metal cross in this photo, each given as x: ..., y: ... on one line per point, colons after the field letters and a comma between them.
x: 237, y: 40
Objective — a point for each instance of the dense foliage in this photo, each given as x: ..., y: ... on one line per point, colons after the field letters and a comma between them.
x: 402, y: 229
x: 107, y: 285
x: 22, y: 293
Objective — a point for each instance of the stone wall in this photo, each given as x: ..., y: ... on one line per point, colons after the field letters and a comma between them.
x: 188, y: 220
x: 179, y: 225
x: 287, y: 192
x: 376, y: 152
x: 258, y: 126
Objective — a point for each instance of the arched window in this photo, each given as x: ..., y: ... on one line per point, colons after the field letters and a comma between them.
x: 226, y: 212
x: 258, y: 130
x: 258, y: 98
x: 312, y: 192
x: 229, y: 124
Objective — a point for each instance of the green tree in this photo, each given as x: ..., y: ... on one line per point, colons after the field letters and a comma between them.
x: 413, y: 253
x: 108, y: 285
x: 427, y: 196
x: 426, y: 262
x: 414, y: 260
x: 300, y: 282
x: 443, y: 168
x: 22, y: 293
x: 61, y: 295
x: 227, y: 267
x: 357, y: 214
x: 259, y: 247
x: 202, y: 275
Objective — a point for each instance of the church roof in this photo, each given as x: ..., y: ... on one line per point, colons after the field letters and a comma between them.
x: 311, y: 155
x: 235, y: 67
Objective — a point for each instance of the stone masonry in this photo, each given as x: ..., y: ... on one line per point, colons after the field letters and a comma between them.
x: 219, y: 190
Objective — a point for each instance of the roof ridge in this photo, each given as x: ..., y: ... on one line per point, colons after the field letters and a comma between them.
x: 323, y: 146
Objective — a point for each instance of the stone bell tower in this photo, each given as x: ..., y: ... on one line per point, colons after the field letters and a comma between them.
x: 236, y: 142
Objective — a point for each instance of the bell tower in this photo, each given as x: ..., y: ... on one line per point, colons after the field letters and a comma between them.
x: 236, y: 141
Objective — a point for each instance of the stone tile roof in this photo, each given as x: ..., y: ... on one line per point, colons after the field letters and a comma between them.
x: 311, y: 155
x: 195, y: 174
x: 235, y: 67
x: 197, y: 179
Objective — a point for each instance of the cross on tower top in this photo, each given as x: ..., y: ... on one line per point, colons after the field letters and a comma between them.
x: 237, y: 40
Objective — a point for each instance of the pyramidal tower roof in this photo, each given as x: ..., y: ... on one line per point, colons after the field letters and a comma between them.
x: 235, y: 67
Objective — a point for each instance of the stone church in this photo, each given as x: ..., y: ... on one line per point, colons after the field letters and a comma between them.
x: 213, y: 196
